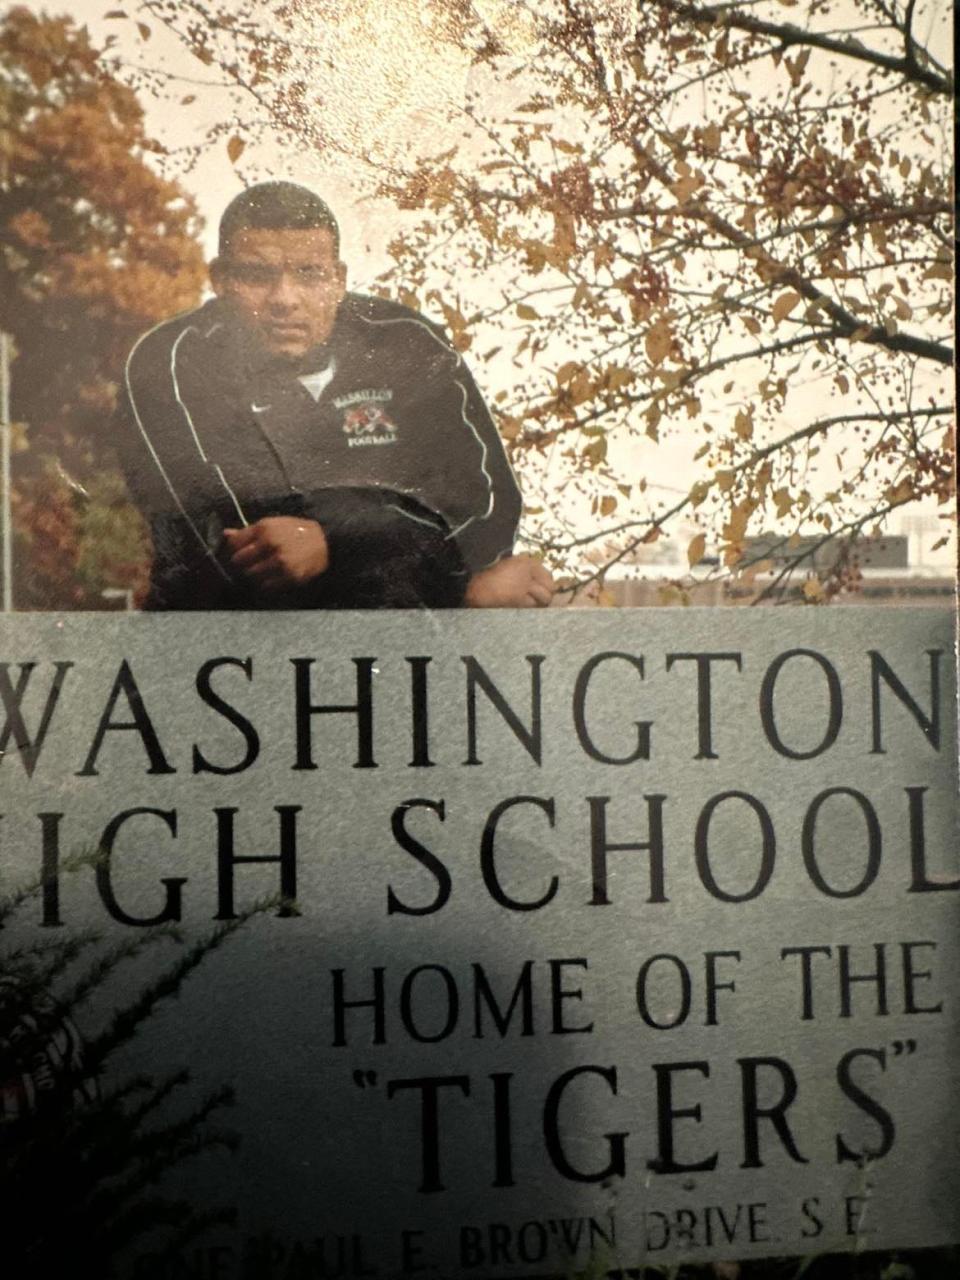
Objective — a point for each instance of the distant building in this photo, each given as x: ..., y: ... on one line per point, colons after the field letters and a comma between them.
x: 880, y: 572
x: 884, y: 552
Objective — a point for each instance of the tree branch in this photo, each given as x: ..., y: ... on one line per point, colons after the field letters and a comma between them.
x: 692, y: 375
x: 785, y: 33
x: 824, y: 424
x: 844, y: 321
x: 851, y: 527
x: 758, y: 455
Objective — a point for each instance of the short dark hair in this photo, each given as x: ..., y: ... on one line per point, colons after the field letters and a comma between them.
x: 276, y: 206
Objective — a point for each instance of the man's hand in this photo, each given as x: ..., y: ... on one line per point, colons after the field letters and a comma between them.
x: 515, y: 582
x: 278, y: 551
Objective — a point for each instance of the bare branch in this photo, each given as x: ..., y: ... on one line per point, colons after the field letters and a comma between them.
x: 820, y: 427
x: 851, y: 528
x: 786, y: 34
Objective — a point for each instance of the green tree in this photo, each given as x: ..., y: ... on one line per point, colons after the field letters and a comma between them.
x: 94, y: 247
x: 724, y: 229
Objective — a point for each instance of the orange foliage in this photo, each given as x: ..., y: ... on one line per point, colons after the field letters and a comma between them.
x: 95, y: 245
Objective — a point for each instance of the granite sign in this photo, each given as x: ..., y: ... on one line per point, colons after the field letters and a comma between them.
x: 592, y: 938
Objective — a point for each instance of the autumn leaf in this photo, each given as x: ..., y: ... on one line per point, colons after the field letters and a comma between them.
x: 736, y: 527
x: 581, y: 295
x: 939, y: 271
x: 813, y: 590
x: 796, y: 66
x: 753, y: 571
x: 596, y: 451
x: 235, y: 148
x: 743, y: 425
x: 684, y: 188
x: 618, y: 377
x: 784, y: 502
x: 785, y: 304
x: 902, y: 491
x: 565, y: 234
x: 658, y: 342
x: 603, y: 254
x: 711, y: 136
x: 526, y: 312
x: 145, y: 32
x: 581, y: 387
x: 453, y: 318
x: 608, y: 505
x: 695, y: 549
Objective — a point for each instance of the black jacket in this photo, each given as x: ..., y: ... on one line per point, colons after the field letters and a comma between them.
x: 397, y: 458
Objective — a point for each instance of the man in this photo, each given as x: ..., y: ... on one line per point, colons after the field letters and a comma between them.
x: 298, y: 446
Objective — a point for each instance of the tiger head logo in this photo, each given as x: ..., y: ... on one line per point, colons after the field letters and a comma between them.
x: 369, y: 424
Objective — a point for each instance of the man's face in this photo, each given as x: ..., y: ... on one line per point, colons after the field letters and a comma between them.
x: 286, y: 283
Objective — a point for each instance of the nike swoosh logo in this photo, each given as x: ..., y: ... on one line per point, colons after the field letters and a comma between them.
x: 261, y: 408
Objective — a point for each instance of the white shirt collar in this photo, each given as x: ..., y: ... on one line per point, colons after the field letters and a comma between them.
x: 317, y: 383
